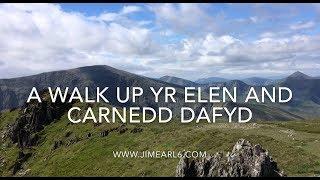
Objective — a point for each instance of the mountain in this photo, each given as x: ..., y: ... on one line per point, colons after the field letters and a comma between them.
x: 250, y: 156
x: 210, y: 80
x: 14, y: 92
x: 178, y: 81
x: 39, y: 137
x: 299, y: 75
x: 242, y: 87
x: 256, y: 81
x: 272, y: 82
x: 304, y: 88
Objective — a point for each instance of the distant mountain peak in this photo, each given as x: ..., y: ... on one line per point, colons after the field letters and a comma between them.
x: 210, y: 80
x: 166, y: 76
x: 178, y: 81
x: 299, y: 75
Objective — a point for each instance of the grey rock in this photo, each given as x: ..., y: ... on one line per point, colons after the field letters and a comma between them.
x: 22, y: 157
x: 88, y: 135
x: 245, y: 160
x: 104, y: 133
x: 57, y: 144
x: 72, y: 140
x: 33, y: 117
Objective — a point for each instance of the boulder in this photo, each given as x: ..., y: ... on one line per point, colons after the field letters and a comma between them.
x: 245, y: 160
x: 57, y: 144
x: 88, y: 135
x: 104, y: 133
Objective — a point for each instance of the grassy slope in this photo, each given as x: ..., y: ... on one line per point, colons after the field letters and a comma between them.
x: 7, y: 150
x: 296, y: 154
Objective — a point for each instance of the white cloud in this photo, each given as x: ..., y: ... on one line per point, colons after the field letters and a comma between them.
x: 130, y: 9
x: 267, y: 35
x: 183, y: 18
x: 42, y: 37
x: 223, y: 55
x: 121, y: 15
x: 254, y: 19
x: 302, y: 25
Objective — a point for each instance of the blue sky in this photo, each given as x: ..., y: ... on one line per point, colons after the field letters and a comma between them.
x: 185, y: 40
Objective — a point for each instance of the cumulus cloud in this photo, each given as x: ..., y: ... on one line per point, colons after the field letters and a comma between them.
x: 228, y: 55
x: 183, y: 18
x: 184, y: 42
x: 130, y: 9
x: 43, y: 37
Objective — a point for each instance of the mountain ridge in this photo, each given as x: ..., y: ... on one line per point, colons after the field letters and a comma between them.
x: 14, y: 92
x: 178, y: 81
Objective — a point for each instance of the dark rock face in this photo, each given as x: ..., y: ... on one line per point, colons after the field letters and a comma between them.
x: 245, y: 160
x: 32, y: 119
x: 22, y: 157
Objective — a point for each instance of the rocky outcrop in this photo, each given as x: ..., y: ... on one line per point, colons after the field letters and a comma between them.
x: 57, y: 144
x: 32, y: 119
x: 122, y: 129
x: 245, y: 160
x: 104, y: 133
x: 22, y: 157
x: 136, y: 130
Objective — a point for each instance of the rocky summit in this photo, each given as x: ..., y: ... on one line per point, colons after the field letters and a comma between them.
x: 245, y: 160
x: 32, y: 119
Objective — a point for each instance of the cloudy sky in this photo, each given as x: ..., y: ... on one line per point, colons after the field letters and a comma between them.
x: 186, y: 40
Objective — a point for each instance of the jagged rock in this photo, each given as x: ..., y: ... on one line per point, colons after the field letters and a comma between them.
x: 136, y: 130
x: 88, y: 135
x: 12, y: 109
x: 24, y: 173
x: 113, y: 129
x: 32, y: 119
x: 22, y: 157
x: 96, y: 124
x: 2, y: 161
x: 122, y: 128
x: 57, y: 144
x: 4, y: 134
x: 245, y: 160
x: 104, y: 133
x: 73, y: 140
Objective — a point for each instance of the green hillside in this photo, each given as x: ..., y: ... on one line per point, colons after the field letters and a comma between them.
x: 293, y: 144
